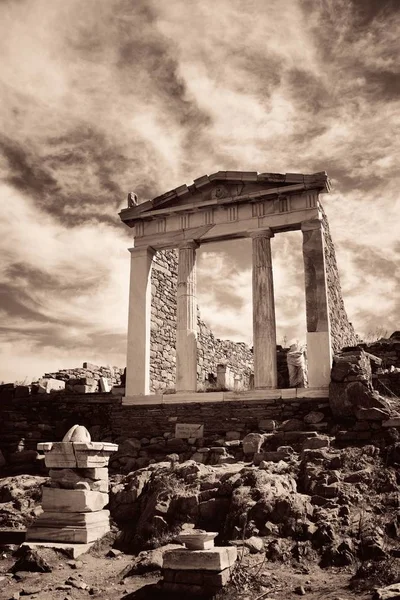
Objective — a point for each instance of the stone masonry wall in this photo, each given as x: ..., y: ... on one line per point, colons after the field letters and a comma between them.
x: 26, y: 419
x: 342, y: 330
x: 211, y: 350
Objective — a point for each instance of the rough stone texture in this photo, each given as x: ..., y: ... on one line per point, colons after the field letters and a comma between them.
x: 351, y: 392
x: 385, y: 370
x: 342, y: 331
x: 143, y: 431
x: 86, y: 379
x: 210, y: 350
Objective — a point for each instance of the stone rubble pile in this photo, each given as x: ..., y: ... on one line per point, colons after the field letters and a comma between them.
x: 305, y: 504
x: 135, y: 453
x: 88, y: 379
x: 353, y: 400
x: 74, y: 499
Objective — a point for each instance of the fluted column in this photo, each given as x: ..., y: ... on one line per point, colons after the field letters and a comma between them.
x: 138, y: 351
x: 186, y: 319
x: 319, y: 352
x: 264, y: 328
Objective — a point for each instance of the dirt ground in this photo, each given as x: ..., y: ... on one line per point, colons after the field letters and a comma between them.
x: 101, y: 577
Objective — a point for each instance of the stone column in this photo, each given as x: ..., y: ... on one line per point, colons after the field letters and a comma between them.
x: 186, y: 320
x: 138, y: 354
x: 264, y: 328
x: 319, y: 352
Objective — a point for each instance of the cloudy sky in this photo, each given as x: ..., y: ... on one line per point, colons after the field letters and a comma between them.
x: 103, y: 97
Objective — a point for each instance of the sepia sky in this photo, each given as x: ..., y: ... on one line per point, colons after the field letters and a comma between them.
x: 103, y: 97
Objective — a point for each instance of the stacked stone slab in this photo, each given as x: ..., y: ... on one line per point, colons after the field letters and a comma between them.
x: 73, y: 502
x: 199, y: 569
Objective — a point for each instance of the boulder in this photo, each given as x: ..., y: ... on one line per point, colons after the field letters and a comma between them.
x: 252, y: 443
x: 254, y: 544
x: 292, y: 425
x: 30, y: 560
x: 390, y: 592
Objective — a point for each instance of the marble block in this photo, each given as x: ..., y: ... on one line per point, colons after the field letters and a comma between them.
x: 75, y: 479
x: 56, y: 499
x: 214, y: 559
x: 77, y: 454
x: 58, y: 519
x: 68, y: 533
x: 70, y: 549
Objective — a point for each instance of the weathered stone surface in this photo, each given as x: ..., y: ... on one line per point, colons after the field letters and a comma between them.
x: 372, y: 414
x: 254, y: 544
x: 314, y: 417
x: 77, y: 433
x: 215, y: 559
x: 54, y: 499
x: 71, y: 479
x: 252, y: 443
x: 322, y: 441
x: 267, y: 425
x: 390, y: 592
x: 48, y: 385
x: 30, y: 560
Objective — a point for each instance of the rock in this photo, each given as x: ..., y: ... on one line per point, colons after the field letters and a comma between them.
x: 232, y: 435
x: 114, y: 553
x: 372, y: 414
x: 177, y: 445
x: 252, y: 443
x: 300, y: 590
x: 30, y: 560
x: 321, y: 441
x: 48, y: 385
x: 76, y: 583
x: 31, y: 590
x: 267, y: 425
x: 254, y: 544
x: 148, y: 561
x: 292, y: 425
x: 314, y: 417
x: 390, y: 592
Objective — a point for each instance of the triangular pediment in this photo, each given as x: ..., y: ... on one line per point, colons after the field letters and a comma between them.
x: 223, y: 187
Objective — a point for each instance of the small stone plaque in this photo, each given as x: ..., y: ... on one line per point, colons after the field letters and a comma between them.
x: 189, y: 430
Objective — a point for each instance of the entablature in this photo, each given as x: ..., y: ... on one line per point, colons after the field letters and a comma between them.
x: 226, y: 205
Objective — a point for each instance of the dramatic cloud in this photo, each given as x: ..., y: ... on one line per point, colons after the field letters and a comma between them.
x: 104, y: 97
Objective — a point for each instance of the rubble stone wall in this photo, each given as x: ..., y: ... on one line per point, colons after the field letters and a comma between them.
x: 211, y: 350
x: 26, y: 419
x: 342, y: 330
x: 87, y: 379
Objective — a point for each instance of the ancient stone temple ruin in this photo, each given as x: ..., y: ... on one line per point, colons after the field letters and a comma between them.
x: 224, y: 206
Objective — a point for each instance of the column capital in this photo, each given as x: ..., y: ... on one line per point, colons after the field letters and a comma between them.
x: 147, y: 250
x: 262, y: 233
x: 311, y: 225
x: 188, y: 244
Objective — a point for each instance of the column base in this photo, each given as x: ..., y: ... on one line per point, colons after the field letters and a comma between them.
x: 319, y: 359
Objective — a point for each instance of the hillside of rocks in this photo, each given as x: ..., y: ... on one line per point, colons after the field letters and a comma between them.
x: 315, y: 506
